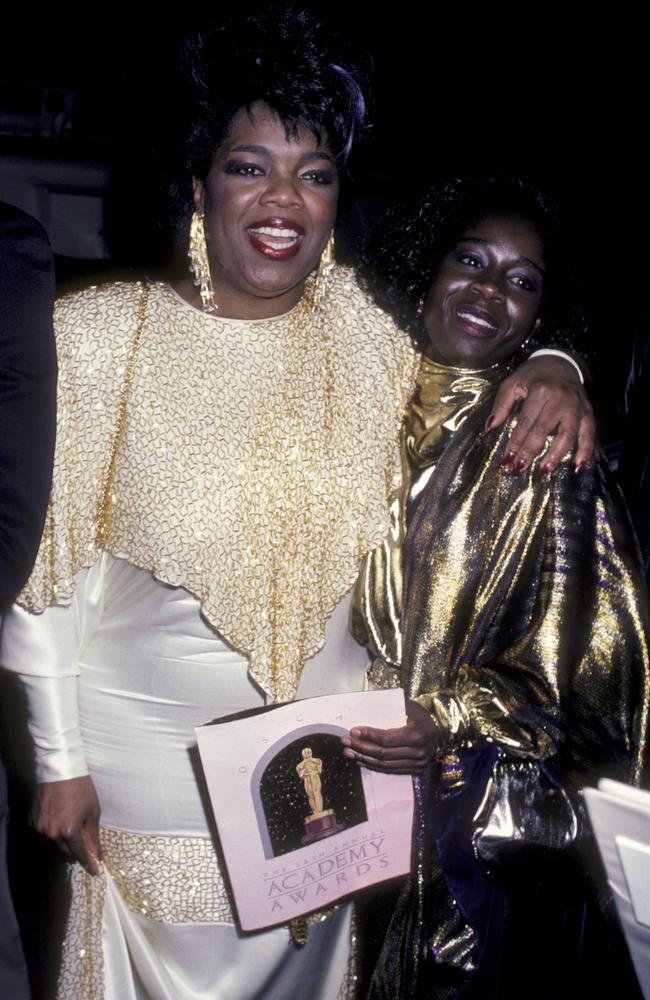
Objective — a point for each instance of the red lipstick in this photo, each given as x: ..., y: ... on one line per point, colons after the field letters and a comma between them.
x: 276, y: 238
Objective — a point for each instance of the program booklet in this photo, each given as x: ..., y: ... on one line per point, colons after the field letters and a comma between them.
x: 301, y: 825
x: 620, y: 816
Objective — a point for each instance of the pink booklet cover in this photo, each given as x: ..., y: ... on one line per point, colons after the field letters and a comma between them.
x: 300, y: 825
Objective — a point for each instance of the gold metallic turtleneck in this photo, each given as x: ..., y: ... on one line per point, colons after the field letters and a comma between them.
x: 444, y: 397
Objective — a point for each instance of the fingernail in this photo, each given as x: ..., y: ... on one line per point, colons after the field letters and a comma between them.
x: 543, y: 470
x: 345, y: 740
x: 355, y: 734
x: 580, y: 467
x: 520, y: 465
x: 348, y: 753
x: 508, y: 459
x: 489, y: 423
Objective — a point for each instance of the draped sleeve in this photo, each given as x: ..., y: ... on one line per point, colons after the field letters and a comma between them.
x: 44, y: 650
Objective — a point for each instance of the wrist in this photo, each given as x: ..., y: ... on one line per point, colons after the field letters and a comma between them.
x: 451, y: 720
x: 556, y: 353
x: 54, y: 727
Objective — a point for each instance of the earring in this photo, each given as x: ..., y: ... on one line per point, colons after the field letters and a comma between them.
x: 325, y: 267
x: 199, y: 263
x: 535, y: 331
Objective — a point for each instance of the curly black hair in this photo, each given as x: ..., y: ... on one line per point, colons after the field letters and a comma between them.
x: 400, y: 257
x: 284, y: 58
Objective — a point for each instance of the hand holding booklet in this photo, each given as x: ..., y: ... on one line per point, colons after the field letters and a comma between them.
x: 300, y: 825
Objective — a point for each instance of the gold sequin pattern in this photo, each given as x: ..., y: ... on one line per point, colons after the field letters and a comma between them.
x: 169, y: 879
x: 299, y: 927
x: 82, y: 960
x: 256, y: 464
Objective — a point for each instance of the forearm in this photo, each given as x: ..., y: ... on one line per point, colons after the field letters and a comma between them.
x: 482, y: 705
x: 42, y: 650
x: 53, y: 721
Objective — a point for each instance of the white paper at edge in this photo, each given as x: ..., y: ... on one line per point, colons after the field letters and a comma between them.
x: 615, y: 813
x: 627, y: 793
x: 635, y: 859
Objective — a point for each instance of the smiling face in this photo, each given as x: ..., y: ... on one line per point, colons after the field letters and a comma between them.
x: 487, y: 294
x: 269, y: 204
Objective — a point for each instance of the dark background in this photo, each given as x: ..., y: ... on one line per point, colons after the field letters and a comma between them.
x: 458, y: 89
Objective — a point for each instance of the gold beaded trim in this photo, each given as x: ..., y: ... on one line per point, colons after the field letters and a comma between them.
x: 107, y: 497
x: 82, y: 960
x: 169, y: 879
x: 177, y: 880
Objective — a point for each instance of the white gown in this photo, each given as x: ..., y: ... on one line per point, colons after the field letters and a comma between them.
x: 147, y: 669
x: 249, y: 463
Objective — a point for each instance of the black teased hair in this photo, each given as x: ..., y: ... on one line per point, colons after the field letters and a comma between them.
x: 282, y: 57
x: 400, y: 258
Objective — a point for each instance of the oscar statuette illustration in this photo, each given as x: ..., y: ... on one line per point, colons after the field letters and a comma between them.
x: 322, y: 822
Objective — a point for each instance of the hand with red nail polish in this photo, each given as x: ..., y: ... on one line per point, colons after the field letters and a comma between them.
x: 554, y: 403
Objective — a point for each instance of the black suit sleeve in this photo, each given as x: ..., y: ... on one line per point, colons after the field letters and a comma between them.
x: 27, y: 393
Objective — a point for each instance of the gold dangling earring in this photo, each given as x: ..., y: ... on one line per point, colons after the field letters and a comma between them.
x: 519, y: 353
x: 199, y: 262
x: 537, y: 326
x: 325, y: 267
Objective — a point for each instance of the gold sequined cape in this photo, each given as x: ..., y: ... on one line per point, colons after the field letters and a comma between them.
x: 512, y: 608
x: 256, y: 462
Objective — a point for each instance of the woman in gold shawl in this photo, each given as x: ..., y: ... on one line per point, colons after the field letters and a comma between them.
x: 508, y: 608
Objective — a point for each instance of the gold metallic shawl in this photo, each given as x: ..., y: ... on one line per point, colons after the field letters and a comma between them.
x: 256, y: 464
x: 512, y: 608
x: 524, y: 619
x: 443, y: 398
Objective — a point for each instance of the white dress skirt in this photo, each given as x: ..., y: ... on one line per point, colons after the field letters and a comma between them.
x: 145, y: 669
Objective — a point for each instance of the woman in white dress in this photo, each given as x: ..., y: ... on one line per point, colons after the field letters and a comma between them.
x: 227, y: 451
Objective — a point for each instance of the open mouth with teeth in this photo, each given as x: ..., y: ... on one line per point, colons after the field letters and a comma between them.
x: 276, y: 239
x: 477, y: 322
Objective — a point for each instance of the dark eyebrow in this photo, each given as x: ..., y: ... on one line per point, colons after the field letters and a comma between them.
x: 520, y: 260
x: 318, y: 154
x: 258, y: 150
